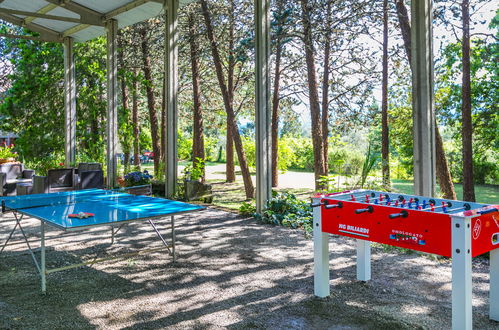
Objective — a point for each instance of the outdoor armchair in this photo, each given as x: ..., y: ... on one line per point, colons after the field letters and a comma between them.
x: 11, y: 175
x: 91, y: 179
x: 60, y: 179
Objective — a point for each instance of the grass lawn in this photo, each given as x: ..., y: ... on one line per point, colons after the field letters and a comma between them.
x: 487, y: 194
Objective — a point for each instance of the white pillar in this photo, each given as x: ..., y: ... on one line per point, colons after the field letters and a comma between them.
x: 69, y: 102
x: 171, y: 71
x: 262, y: 111
x: 461, y: 274
x: 363, y: 260
x: 112, y: 102
x: 422, y: 97
x: 494, y: 285
x: 321, y: 254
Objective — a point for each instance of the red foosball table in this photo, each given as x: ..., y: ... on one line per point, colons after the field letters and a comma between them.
x: 461, y: 230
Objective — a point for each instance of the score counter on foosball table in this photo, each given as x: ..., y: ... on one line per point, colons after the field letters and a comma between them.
x: 456, y: 229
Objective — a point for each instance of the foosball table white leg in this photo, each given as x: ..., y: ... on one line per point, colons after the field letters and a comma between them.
x: 321, y: 255
x: 461, y: 274
x: 363, y: 260
x: 494, y: 285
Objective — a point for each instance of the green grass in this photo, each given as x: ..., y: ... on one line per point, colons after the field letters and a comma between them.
x: 487, y: 194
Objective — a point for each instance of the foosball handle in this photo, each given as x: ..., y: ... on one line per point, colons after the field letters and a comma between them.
x: 488, y: 211
x: 316, y: 204
x: 403, y: 214
x: 369, y: 209
x: 332, y: 206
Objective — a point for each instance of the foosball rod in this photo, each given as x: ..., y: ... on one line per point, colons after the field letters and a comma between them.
x: 465, y: 207
x: 448, y: 204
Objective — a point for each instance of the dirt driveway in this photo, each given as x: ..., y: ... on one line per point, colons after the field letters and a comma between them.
x: 231, y: 273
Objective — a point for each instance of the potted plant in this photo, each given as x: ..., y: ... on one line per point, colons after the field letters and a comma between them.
x: 137, y: 183
x: 7, y: 155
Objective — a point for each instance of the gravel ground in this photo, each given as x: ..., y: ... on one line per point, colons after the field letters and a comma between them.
x: 231, y: 273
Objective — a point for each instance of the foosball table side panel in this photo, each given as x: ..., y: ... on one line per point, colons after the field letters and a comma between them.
x: 425, y: 232
x: 485, y: 233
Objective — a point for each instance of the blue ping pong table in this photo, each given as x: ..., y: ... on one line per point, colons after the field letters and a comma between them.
x: 109, y: 208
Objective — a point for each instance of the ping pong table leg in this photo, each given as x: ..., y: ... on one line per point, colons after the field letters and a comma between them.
x: 173, y: 239
x: 42, y: 258
x: 9, y: 237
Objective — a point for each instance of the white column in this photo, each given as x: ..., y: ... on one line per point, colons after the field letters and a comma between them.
x: 262, y: 111
x: 112, y: 102
x: 171, y: 85
x: 461, y: 273
x: 321, y: 254
x: 494, y: 285
x: 363, y: 260
x: 422, y: 97
x: 69, y: 102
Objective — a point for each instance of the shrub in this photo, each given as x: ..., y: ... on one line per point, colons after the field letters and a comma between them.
x: 184, y: 147
x: 250, y: 150
x: 303, y: 153
x: 286, y: 155
x: 286, y: 210
x: 247, y: 209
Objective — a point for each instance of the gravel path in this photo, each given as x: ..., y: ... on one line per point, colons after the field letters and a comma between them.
x: 231, y: 273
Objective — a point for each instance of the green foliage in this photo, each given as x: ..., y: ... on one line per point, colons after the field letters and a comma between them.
x: 250, y: 150
x: 286, y: 210
x: 286, y: 155
x: 184, y: 146
x: 194, y: 171
x: 247, y: 208
x: 7, y: 152
x: 43, y: 164
x: 370, y: 160
x: 303, y: 150
x: 485, y: 98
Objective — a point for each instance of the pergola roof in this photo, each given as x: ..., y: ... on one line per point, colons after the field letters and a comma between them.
x: 81, y: 19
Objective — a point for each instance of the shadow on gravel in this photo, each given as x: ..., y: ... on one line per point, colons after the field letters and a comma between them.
x: 231, y: 272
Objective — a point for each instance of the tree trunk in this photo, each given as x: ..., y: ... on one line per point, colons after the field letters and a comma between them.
x: 405, y: 26
x: 230, y: 167
x: 230, y: 170
x: 248, y: 184
x: 197, y: 131
x: 442, y: 172
x: 325, y: 90
x: 467, y: 128
x: 153, y: 118
x: 319, y: 166
x: 385, y: 142
x: 135, y: 120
